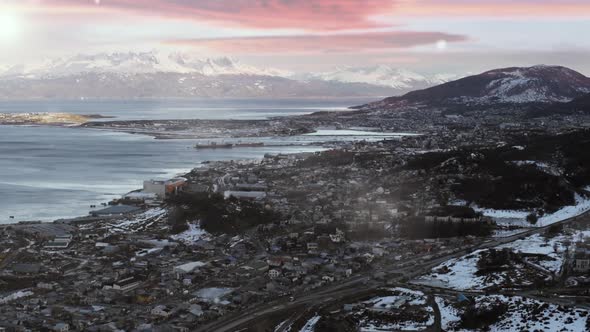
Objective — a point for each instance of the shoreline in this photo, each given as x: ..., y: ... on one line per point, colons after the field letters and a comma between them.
x: 90, y: 218
x: 189, y: 169
x: 225, y: 129
x: 320, y: 142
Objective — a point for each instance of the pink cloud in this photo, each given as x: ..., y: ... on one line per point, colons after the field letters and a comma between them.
x: 495, y: 8
x: 303, y: 14
x: 316, y: 44
x: 321, y: 15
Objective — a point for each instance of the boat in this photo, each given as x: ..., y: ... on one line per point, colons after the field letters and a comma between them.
x: 247, y: 145
x: 214, y: 145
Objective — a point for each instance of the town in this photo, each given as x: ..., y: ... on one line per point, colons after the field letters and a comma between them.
x: 368, y: 226
x: 294, y: 165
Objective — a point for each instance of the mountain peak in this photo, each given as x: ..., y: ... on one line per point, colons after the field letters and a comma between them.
x: 539, y: 83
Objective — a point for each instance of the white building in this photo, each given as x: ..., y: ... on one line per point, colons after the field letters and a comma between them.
x: 163, y: 188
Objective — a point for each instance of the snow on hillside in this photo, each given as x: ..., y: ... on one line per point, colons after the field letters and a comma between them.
x: 523, y: 314
x: 382, y: 75
x: 518, y: 218
x: 539, y: 84
x: 533, y: 84
x: 548, y: 257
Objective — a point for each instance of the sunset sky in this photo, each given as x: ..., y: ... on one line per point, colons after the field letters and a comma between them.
x: 307, y: 35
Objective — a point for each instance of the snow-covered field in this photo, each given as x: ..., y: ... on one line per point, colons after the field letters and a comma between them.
x: 401, y: 299
x: 523, y: 314
x: 462, y: 271
x: 537, y: 244
x: 461, y: 275
x: 518, y: 218
x: 521, y: 317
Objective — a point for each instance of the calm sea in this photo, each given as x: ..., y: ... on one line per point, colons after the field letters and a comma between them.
x: 48, y: 172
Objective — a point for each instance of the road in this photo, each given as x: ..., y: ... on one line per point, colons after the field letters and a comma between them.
x: 362, y: 283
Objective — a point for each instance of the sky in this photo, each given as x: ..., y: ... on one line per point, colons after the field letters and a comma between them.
x: 434, y: 36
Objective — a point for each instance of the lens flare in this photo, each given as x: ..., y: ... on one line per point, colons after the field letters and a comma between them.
x: 441, y: 45
x: 10, y: 25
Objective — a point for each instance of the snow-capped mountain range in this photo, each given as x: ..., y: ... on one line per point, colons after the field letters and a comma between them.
x: 161, y: 75
x: 383, y: 75
x: 187, y: 63
x: 137, y: 63
x: 158, y: 74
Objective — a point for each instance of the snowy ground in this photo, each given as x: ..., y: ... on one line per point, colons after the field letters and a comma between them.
x: 310, y: 325
x: 282, y: 325
x: 191, y: 235
x: 518, y: 218
x: 462, y: 271
x: 408, y: 325
x: 137, y: 222
x: 537, y: 244
x: 523, y: 315
x: 449, y: 315
x: 461, y: 275
x: 15, y: 296
x: 541, y: 166
x: 213, y: 294
x: 399, y: 295
x: 400, y: 300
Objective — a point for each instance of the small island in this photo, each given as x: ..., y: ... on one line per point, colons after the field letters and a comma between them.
x: 45, y: 118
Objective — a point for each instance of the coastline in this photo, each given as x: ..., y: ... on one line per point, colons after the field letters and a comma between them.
x: 78, y: 207
x: 274, y: 133
x: 90, y: 218
x: 274, y: 144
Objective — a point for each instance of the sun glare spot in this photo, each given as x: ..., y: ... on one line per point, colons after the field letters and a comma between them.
x: 441, y: 45
x: 10, y: 25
